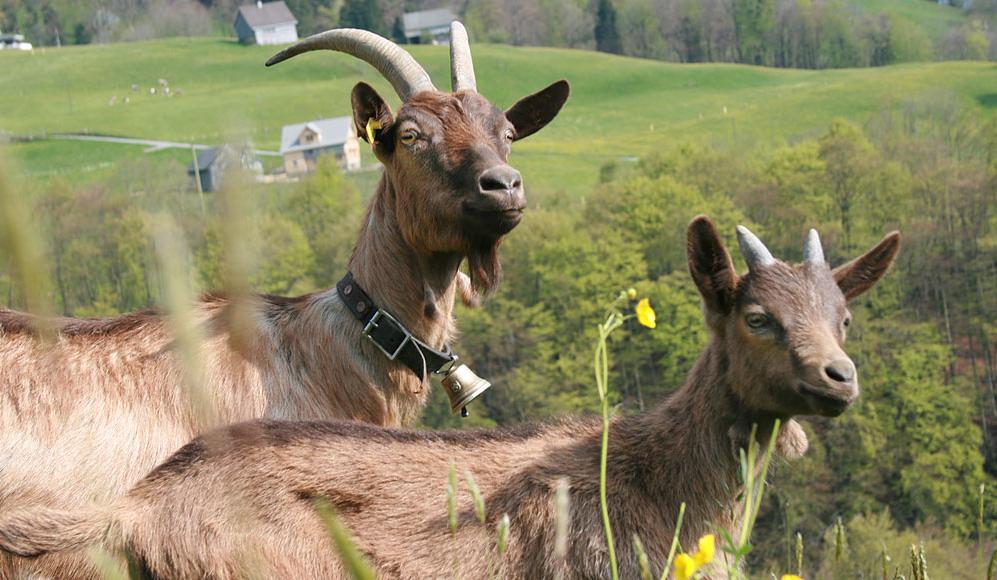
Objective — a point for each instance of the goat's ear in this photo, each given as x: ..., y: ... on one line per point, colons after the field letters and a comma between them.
x: 710, y: 265
x: 367, y: 105
x: 863, y: 272
x: 532, y: 113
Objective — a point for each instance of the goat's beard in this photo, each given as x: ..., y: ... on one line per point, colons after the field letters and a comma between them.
x: 485, y: 271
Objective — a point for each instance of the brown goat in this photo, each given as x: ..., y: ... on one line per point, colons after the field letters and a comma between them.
x: 84, y: 418
x: 238, y: 503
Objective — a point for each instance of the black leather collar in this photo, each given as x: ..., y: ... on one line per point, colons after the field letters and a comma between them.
x: 390, y: 335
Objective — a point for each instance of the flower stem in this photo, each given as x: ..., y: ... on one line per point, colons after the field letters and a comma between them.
x: 601, y: 364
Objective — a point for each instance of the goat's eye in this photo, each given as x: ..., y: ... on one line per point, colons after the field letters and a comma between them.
x: 756, y: 321
x: 508, y: 135
x: 846, y: 322
x: 408, y: 137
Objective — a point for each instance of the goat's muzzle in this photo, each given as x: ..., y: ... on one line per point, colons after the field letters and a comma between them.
x: 834, y: 391
x: 498, y: 207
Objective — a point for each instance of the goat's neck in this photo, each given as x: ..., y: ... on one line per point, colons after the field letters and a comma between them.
x: 685, y: 449
x: 417, y: 288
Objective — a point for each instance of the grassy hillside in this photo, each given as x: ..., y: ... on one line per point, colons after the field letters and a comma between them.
x: 619, y: 107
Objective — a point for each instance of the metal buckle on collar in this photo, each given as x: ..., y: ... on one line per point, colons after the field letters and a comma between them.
x: 373, y: 324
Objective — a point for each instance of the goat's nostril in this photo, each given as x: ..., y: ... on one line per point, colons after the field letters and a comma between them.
x: 842, y: 371
x: 500, y: 179
x: 489, y: 183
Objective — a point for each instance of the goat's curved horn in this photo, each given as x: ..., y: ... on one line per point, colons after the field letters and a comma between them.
x: 398, y: 66
x: 461, y: 65
x: 813, y: 252
x: 754, y: 251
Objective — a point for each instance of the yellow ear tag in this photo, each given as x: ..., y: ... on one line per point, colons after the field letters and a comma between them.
x: 372, y: 125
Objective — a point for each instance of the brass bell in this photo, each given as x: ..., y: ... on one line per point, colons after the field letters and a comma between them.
x: 462, y: 387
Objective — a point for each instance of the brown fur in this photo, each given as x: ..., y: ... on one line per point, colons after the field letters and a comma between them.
x: 84, y: 418
x: 239, y: 501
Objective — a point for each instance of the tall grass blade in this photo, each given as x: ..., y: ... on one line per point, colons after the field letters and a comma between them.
x: 799, y: 554
x: 178, y: 299
x: 356, y: 566
x: 642, y: 563
x: 562, y: 519
x: 452, y: 499
x: 918, y: 563
x: 979, y: 520
x: 675, y: 542
x: 502, y: 531
x: 839, y: 541
x: 21, y: 243
x: 476, y: 497
x: 108, y: 567
x: 502, y: 543
x: 766, y: 462
x: 240, y: 250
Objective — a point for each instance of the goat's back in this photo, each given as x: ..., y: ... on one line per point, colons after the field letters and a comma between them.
x: 247, y: 494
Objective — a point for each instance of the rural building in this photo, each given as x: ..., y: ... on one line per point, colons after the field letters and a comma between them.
x: 302, y: 144
x: 212, y: 164
x: 13, y: 42
x: 428, y: 26
x: 266, y: 23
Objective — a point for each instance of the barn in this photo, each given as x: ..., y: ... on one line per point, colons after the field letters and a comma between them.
x: 428, y: 26
x: 266, y: 23
x: 209, y: 166
x: 302, y: 144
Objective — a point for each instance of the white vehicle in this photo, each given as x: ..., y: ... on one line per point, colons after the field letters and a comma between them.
x: 13, y: 42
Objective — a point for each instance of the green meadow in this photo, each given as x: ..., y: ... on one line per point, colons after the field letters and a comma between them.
x: 620, y: 108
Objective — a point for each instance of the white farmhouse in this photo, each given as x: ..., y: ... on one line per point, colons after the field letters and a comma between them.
x: 432, y: 26
x: 13, y: 42
x: 266, y: 23
x: 302, y: 144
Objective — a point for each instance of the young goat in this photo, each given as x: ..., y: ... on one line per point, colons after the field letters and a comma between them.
x: 82, y: 419
x: 239, y: 502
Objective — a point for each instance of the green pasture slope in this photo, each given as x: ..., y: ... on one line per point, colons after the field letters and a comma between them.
x: 620, y: 107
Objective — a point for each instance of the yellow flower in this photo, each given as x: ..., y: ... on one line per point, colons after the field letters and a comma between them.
x: 707, y: 545
x: 632, y: 293
x: 645, y: 314
x: 791, y: 577
x: 685, y: 567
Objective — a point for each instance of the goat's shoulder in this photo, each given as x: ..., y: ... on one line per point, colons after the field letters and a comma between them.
x: 272, y: 307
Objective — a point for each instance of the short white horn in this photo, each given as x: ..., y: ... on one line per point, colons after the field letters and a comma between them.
x: 812, y: 250
x: 754, y: 251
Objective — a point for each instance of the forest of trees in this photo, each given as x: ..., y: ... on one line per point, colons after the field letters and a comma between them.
x: 782, y: 33
x: 905, y: 462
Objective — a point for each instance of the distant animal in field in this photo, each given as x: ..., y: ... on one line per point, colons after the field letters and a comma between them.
x: 238, y: 502
x: 85, y: 417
